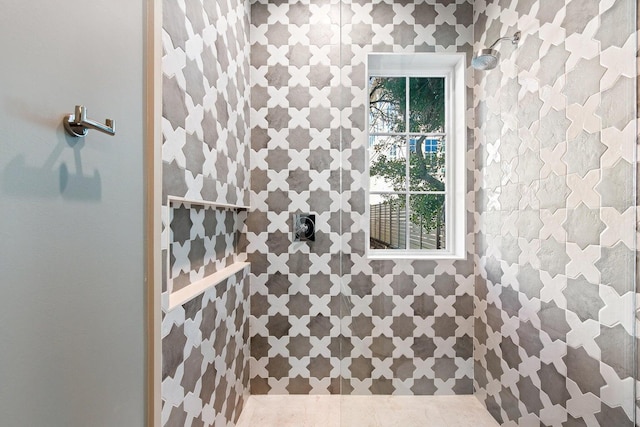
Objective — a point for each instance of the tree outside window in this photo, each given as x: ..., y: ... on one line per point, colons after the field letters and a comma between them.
x: 407, y: 158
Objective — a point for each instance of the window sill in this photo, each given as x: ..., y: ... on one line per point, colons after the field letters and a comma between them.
x: 414, y: 255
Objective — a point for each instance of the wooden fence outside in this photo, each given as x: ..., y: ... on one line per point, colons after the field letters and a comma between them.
x: 388, y: 224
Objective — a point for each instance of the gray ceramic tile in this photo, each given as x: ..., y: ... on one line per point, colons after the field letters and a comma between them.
x: 553, y: 257
x: 510, y: 353
x: 529, y: 224
x: 553, y: 128
x: 613, y: 416
x: 614, y: 108
x: 529, y: 166
x: 445, y: 326
x: 583, y: 153
x: 463, y: 13
x: 192, y: 370
x: 553, y: 320
x: 510, y: 404
x: 494, y: 270
x: 616, y: 266
x: 529, y: 281
x: 530, y: 395
x: 173, y: 102
x: 173, y: 352
x: 583, y: 298
x: 550, y: 70
x: 510, y: 197
x: 445, y: 367
x: 298, y: 14
x: 616, y: 186
x: 195, y: 81
x: 446, y: 35
x: 554, y: 384
x: 583, y: 80
x: 424, y: 14
x: 509, y: 298
x: 278, y: 367
x: 584, y: 370
x: 553, y: 192
x: 615, y: 27
x: 583, y: 226
x: 173, y: 20
x: 547, y: 10
x: 181, y: 224
x: 423, y: 305
x: 578, y: 15
x: 612, y: 340
x: 528, y: 52
x: 529, y: 338
x: 177, y: 417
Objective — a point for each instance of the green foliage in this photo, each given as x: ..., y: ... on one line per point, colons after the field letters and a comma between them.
x: 388, y: 106
x: 426, y: 104
x: 388, y: 103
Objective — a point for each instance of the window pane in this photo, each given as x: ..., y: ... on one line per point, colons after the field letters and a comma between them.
x: 427, y: 221
x: 387, y: 222
x: 388, y: 103
x: 387, y: 163
x: 426, y: 163
x: 426, y: 104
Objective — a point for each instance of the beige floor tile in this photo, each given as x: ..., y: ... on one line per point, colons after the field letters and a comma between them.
x: 463, y: 411
x: 365, y: 411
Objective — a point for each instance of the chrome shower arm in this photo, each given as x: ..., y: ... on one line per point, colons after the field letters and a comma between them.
x: 515, y: 39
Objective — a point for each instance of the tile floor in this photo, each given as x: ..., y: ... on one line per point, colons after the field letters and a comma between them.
x: 364, y: 411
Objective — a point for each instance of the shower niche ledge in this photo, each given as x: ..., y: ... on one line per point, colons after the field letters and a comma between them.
x: 174, y: 199
x: 196, y: 288
x: 203, y: 247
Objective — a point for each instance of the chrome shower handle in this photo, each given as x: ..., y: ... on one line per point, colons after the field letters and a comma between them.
x: 77, y: 124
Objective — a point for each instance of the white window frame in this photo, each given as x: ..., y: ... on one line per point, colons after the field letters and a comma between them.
x: 452, y: 67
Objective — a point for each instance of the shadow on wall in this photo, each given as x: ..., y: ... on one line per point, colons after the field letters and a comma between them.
x: 25, y: 181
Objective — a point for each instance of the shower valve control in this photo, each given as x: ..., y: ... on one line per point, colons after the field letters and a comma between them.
x: 304, y: 227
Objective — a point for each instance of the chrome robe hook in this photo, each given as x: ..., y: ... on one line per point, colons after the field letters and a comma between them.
x: 77, y: 124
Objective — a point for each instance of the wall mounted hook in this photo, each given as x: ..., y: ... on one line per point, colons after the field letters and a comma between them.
x: 77, y: 124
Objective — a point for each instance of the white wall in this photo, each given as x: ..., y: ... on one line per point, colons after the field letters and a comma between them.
x: 71, y: 217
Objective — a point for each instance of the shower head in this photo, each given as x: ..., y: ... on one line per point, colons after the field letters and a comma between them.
x: 487, y: 59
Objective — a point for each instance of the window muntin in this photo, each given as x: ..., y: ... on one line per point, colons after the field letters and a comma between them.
x: 416, y: 172
x: 408, y: 175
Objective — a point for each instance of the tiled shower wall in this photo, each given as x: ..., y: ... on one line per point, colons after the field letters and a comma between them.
x: 321, y: 323
x: 555, y: 135
x: 205, y: 154
x: 399, y: 326
x: 637, y: 202
x: 205, y: 370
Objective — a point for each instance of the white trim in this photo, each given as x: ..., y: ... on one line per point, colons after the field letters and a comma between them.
x: 413, y: 254
x: 153, y: 216
x: 407, y: 161
x: 452, y: 67
x: 413, y: 64
x: 198, y: 287
x: 459, y: 128
x: 174, y: 199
